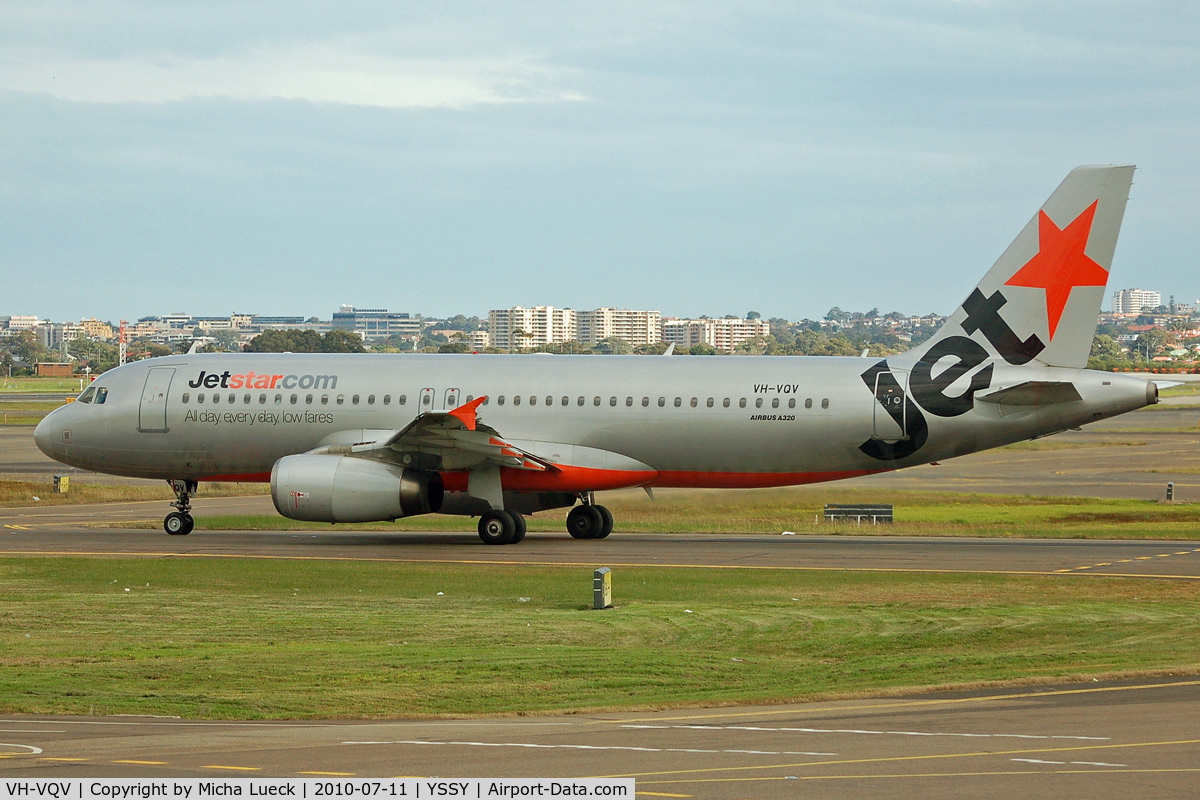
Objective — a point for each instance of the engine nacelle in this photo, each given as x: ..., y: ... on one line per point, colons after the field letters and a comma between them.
x: 329, y: 488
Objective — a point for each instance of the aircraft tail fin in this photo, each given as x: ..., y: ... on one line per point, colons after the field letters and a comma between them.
x: 1041, y: 298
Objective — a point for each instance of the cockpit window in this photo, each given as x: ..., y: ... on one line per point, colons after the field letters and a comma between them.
x: 87, y: 396
x: 101, y: 396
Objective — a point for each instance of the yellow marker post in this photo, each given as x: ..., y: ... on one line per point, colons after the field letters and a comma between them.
x: 602, y: 588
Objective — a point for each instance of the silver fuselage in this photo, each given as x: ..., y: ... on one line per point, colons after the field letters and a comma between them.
x: 681, y: 421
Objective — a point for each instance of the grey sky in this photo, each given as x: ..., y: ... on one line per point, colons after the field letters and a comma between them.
x: 287, y: 157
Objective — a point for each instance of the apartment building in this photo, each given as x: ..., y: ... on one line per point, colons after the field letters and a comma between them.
x: 635, y: 327
x: 723, y: 335
x: 1132, y: 301
x: 519, y: 327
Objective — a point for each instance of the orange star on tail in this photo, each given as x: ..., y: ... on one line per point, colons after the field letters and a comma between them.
x: 1061, y: 264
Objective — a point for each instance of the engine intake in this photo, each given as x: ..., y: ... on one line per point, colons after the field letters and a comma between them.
x: 328, y: 488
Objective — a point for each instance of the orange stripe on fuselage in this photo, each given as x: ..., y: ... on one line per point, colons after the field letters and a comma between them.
x: 585, y: 479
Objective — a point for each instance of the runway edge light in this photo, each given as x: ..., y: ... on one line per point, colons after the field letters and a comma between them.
x: 602, y: 588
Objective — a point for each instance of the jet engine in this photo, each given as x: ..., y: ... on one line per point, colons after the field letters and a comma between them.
x: 331, y: 488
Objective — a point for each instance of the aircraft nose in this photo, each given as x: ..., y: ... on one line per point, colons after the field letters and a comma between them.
x: 43, y: 436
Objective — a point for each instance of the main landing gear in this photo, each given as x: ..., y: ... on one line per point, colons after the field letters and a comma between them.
x: 589, y: 521
x: 180, y: 522
x: 501, y: 527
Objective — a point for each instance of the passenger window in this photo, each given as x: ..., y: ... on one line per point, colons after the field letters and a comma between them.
x: 308, y: 399
x: 710, y: 402
x: 758, y: 402
x: 387, y: 399
x: 200, y: 397
x: 216, y: 398
x: 500, y: 400
x: 774, y: 402
x: 186, y: 396
x: 341, y: 398
x: 695, y: 402
x: 426, y: 399
x: 371, y: 399
x: 725, y: 402
x: 293, y: 399
x: 101, y: 396
x: 678, y: 402
x: 791, y: 402
x: 596, y: 401
x: 246, y: 398
x: 278, y: 399
x: 354, y: 400
x: 612, y: 402
x: 825, y: 403
x: 470, y: 398
x: 645, y: 402
x: 629, y: 402
x: 742, y: 403
x: 262, y: 399
x: 549, y: 400
x: 566, y: 400
x: 533, y: 400
x: 401, y: 400
x: 579, y: 402
x: 516, y: 399
x: 324, y: 399
x: 808, y: 402
x: 232, y: 398
x: 662, y: 402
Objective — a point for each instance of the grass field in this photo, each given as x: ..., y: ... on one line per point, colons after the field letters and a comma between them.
x: 800, y: 511
x: 14, y: 494
x: 41, y: 385
x: 22, y: 412
x: 279, y: 639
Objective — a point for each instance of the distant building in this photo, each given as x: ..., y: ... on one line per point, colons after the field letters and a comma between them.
x: 23, y: 322
x: 635, y: 327
x: 52, y: 335
x: 95, y: 329
x: 1132, y: 301
x: 520, y: 327
x: 724, y: 335
x: 53, y: 369
x: 376, y: 323
x: 479, y: 340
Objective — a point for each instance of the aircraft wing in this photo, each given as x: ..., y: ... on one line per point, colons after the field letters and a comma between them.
x: 445, y: 440
x: 1033, y: 393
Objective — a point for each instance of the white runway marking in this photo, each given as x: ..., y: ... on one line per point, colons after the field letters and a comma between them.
x: 30, y: 748
x: 602, y: 747
x: 863, y: 732
x: 1073, y: 763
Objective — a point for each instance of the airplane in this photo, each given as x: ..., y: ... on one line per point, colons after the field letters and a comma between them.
x: 373, y: 437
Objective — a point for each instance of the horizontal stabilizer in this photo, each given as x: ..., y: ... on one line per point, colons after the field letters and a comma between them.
x: 1033, y: 393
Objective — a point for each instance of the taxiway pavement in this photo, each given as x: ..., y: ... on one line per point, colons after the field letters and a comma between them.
x: 1097, y: 740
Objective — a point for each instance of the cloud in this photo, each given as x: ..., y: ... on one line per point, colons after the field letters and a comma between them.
x: 316, y: 72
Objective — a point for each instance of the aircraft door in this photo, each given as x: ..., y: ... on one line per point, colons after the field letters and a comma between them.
x: 152, y: 414
x: 451, y: 399
x: 891, y: 406
x: 426, y: 400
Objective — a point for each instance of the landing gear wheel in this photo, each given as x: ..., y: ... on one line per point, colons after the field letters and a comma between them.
x: 585, y: 522
x: 518, y: 526
x: 497, y: 527
x: 607, y: 522
x: 178, y: 524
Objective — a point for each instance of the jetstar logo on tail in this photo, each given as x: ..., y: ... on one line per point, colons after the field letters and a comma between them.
x: 257, y: 380
x: 1060, y: 264
x: 953, y: 357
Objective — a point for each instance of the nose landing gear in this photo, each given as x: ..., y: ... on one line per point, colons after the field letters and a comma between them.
x: 180, y: 522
